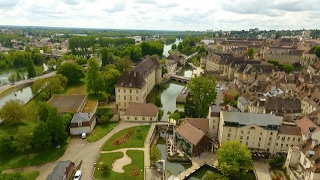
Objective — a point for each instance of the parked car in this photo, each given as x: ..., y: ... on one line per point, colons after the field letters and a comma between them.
x: 78, y: 175
x: 83, y: 135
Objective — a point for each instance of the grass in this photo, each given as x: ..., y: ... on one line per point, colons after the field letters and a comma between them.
x: 78, y: 88
x: 100, y: 131
x: 99, y: 96
x: 30, y: 158
x: 91, y: 104
x: 27, y: 175
x: 135, y: 141
x: 107, y: 158
x: 248, y: 176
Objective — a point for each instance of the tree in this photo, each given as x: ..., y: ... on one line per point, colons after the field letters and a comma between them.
x: 250, y: 53
x: 5, y: 143
x: 46, y: 49
x: 72, y: 71
x: 123, y: 64
x: 106, y: 56
x: 12, y: 176
x: 203, y: 94
x: 27, y: 49
x: 104, y: 114
x: 175, y: 115
x: 94, y: 78
x: 57, y: 125
x: 288, y: 68
x: 110, y: 75
x: 215, y: 176
x: 277, y: 162
x: 105, y: 169
x: 50, y: 86
x: 155, y: 154
x: 22, y: 139
x: 234, y: 158
x: 42, y: 138
x: 174, y: 46
x: 51, y: 63
x: 316, y: 50
x: 43, y: 111
x: 12, y: 111
x: 12, y: 78
x: 30, y: 67
x: 38, y: 59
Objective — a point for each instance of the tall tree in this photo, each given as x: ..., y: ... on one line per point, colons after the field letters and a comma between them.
x: 12, y: 111
x: 30, y: 67
x: 72, y: 71
x: 5, y: 143
x: 110, y: 75
x: 215, y: 176
x: 234, y: 158
x: 106, y: 56
x: 50, y: 86
x: 123, y: 64
x: 51, y: 63
x: 38, y: 59
x: 57, y: 125
x: 93, y: 75
x: 23, y: 139
x: 155, y: 154
x: 250, y: 53
x: 203, y: 94
x: 42, y: 138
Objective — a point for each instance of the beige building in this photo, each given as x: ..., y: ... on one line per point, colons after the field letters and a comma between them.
x: 303, y: 162
x: 310, y: 103
x: 288, y: 136
x: 214, y: 118
x: 136, y: 84
x: 82, y: 123
x: 145, y: 112
x: 309, y: 129
x: 247, y: 72
x: 256, y: 131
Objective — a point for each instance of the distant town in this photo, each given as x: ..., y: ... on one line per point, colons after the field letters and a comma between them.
x: 138, y: 104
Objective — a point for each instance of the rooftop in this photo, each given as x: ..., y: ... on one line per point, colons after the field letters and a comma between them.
x: 67, y: 103
x: 190, y: 133
x: 289, y: 130
x: 142, y: 109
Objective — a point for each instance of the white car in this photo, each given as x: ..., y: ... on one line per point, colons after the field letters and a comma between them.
x: 83, y: 135
x: 78, y: 175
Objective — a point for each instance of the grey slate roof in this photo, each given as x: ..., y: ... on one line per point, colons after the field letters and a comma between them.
x: 81, y: 117
x: 248, y: 118
x: 242, y: 100
x: 58, y: 171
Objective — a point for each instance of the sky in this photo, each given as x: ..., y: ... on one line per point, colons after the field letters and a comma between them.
x: 195, y: 15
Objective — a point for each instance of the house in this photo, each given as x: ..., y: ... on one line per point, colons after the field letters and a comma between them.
x: 309, y: 129
x: 62, y: 171
x: 314, y: 68
x: 192, y: 139
x: 247, y: 72
x: 283, y: 106
x: 137, y: 112
x: 82, y: 123
x: 136, y: 84
x: 68, y: 103
x: 288, y: 136
x: 172, y: 59
x: 310, y: 103
x: 256, y: 131
x: 303, y: 162
x: 214, y: 117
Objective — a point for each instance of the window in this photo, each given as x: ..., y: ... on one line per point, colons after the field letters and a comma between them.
x: 298, y: 139
x: 229, y: 135
x: 151, y: 119
x: 271, y: 133
x: 119, y: 97
x: 247, y: 143
x: 241, y: 132
x: 288, y: 139
x: 258, y: 144
x: 137, y: 91
x: 124, y: 90
x: 125, y: 105
x: 283, y: 138
x: 247, y: 137
x: 268, y: 149
x: 270, y: 138
x: 135, y: 118
x: 130, y: 98
x: 287, y: 145
x: 130, y: 91
x: 79, y: 124
x: 124, y: 98
x: 248, y: 132
x: 260, y: 133
x: 142, y: 118
x: 229, y: 129
x: 128, y: 118
x: 277, y: 144
x: 259, y: 138
x: 269, y: 143
x: 137, y: 98
x: 213, y: 127
x: 293, y: 139
x: 278, y: 137
x: 241, y: 142
x: 241, y: 137
x: 118, y: 90
x: 281, y: 145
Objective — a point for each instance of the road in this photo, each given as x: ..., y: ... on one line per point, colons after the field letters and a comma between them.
x: 19, y: 83
x: 78, y: 150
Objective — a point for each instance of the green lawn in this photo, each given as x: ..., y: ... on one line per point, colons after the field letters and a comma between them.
x: 100, y: 131
x: 31, y: 175
x: 107, y: 158
x: 136, y: 140
x: 27, y: 175
x: 30, y: 158
x: 248, y: 176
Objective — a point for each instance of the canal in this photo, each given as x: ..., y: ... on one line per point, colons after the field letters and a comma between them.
x: 167, y: 47
x: 24, y: 94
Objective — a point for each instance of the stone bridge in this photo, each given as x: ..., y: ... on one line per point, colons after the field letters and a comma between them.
x: 180, y: 78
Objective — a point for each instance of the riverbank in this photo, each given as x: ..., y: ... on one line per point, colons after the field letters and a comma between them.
x: 13, y: 89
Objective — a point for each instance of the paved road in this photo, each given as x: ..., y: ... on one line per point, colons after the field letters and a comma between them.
x: 78, y: 150
x: 19, y: 83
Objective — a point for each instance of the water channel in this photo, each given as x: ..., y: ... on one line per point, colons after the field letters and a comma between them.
x: 24, y: 94
x: 167, y: 47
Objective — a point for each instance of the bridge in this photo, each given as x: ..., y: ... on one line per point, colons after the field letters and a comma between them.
x: 180, y: 78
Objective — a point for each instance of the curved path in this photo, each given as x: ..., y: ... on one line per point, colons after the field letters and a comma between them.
x: 117, y: 165
x: 78, y: 150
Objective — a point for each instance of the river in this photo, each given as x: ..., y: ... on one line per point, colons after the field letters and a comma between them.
x: 24, y: 94
x: 167, y: 47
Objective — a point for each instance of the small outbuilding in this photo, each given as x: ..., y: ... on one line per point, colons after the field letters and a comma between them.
x: 138, y: 112
x: 63, y: 170
x: 82, y: 123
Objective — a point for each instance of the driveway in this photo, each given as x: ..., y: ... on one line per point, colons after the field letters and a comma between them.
x: 262, y: 169
x: 78, y: 150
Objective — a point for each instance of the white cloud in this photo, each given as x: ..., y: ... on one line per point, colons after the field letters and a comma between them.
x: 162, y: 14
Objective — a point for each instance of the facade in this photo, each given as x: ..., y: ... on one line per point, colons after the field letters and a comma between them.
x: 308, y: 129
x: 310, y: 103
x: 136, y: 84
x: 137, y: 112
x: 62, y: 171
x: 82, y: 123
x: 288, y: 136
x: 247, y: 72
x: 303, y: 162
x: 191, y: 140
x: 214, y: 118
x: 256, y: 131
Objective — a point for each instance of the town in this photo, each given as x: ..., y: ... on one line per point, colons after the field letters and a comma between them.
x: 159, y: 105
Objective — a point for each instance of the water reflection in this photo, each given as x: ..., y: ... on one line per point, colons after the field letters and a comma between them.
x: 166, y: 48
x: 24, y: 94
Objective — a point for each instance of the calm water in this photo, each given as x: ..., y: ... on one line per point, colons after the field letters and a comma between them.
x: 166, y: 48
x: 174, y: 168
x: 23, y: 94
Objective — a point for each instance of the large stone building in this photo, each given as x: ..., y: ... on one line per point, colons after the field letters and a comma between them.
x: 256, y: 131
x: 136, y: 84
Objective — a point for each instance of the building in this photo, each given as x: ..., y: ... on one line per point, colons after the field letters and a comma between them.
x: 214, y: 118
x: 309, y: 129
x: 192, y: 140
x: 303, y: 162
x: 283, y: 106
x: 62, y: 171
x: 310, y: 103
x: 82, y: 123
x: 137, y: 112
x: 136, y: 84
x: 256, y: 131
x: 247, y: 72
x: 288, y: 136
x: 68, y: 103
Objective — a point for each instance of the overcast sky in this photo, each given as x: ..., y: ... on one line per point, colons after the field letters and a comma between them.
x: 163, y: 14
